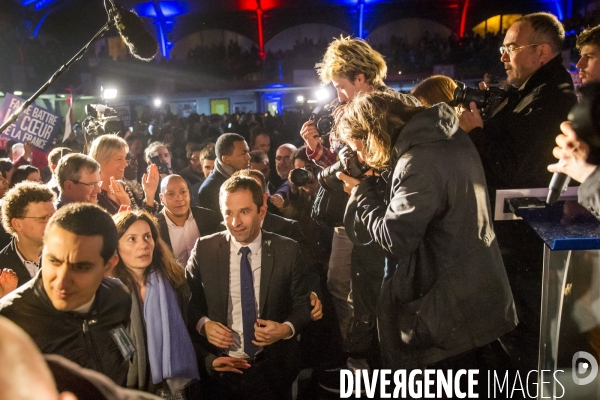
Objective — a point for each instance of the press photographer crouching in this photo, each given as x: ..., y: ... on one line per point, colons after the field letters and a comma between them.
x: 445, y: 298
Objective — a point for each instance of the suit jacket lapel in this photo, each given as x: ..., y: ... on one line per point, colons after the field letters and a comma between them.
x: 223, y: 257
x: 164, y: 229
x: 266, y: 270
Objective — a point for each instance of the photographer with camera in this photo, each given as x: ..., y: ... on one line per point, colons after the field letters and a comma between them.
x: 515, y: 145
x: 352, y: 67
x: 445, y: 299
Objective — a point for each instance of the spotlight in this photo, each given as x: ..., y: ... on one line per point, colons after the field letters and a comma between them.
x: 157, y: 102
x: 18, y: 93
x: 300, y: 99
x: 322, y: 94
x: 110, y: 94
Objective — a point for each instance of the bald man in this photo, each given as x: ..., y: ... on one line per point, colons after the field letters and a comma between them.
x: 283, y: 164
x: 180, y: 224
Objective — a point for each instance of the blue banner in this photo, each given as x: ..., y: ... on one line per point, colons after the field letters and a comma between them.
x: 35, y: 124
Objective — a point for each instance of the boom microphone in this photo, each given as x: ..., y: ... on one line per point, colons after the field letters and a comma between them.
x: 131, y: 28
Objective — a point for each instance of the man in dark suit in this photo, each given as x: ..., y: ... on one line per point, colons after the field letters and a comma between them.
x: 26, y: 210
x: 249, y: 301
x: 181, y: 225
x: 232, y: 155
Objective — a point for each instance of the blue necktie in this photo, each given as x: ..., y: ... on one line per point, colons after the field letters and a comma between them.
x: 248, y: 302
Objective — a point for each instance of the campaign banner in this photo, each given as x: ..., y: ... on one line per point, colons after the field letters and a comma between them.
x: 35, y: 124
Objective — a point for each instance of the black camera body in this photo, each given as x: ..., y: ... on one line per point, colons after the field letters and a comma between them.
x: 163, y: 169
x: 322, y: 116
x: 486, y: 100
x: 348, y: 164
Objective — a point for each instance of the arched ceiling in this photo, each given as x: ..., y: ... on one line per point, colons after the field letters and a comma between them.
x: 74, y: 21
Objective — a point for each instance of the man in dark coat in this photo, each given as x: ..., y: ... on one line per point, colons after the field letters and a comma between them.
x: 71, y: 308
x: 515, y: 146
x: 249, y: 301
x: 232, y: 155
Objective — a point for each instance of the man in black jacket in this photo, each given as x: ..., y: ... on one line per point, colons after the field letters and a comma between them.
x: 249, y: 301
x: 71, y: 308
x: 515, y: 146
x: 25, y: 212
x: 181, y: 225
x: 232, y: 155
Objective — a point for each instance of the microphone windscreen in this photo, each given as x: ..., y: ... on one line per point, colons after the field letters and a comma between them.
x: 141, y: 44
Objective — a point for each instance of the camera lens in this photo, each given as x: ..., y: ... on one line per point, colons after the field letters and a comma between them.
x: 327, y: 178
x: 300, y: 177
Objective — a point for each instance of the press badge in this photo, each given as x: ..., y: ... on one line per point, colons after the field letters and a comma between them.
x: 123, y: 341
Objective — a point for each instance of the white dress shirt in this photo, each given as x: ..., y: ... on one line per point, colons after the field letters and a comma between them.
x: 183, y: 238
x: 31, y: 266
x: 234, y: 302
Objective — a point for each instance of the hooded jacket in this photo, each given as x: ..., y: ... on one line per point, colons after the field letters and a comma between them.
x: 445, y: 289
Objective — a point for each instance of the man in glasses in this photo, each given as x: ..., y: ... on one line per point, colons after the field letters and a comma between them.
x: 515, y: 144
x: 78, y: 179
x: 26, y: 209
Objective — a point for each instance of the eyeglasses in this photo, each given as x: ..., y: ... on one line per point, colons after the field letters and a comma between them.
x: 195, y: 159
x: 44, y: 219
x: 90, y: 185
x: 510, y: 50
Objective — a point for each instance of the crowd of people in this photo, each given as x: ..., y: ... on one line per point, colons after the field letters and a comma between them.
x: 204, y: 258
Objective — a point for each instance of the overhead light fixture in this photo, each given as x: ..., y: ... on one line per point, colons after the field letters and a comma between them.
x: 300, y: 99
x: 311, y: 101
x: 18, y: 93
x: 157, y: 102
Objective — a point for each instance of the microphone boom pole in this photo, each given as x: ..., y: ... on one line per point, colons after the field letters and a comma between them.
x: 10, y: 120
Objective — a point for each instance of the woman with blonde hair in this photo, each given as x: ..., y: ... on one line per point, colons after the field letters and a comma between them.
x: 435, y: 89
x: 165, y: 362
x: 445, y: 298
x: 110, y: 151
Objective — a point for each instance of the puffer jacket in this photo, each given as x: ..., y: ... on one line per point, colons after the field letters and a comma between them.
x: 445, y: 289
x: 81, y: 338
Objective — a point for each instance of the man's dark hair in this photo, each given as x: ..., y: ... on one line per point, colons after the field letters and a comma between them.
x: 225, y: 144
x: 22, y: 173
x: 300, y: 154
x: 56, y: 154
x: 86, y: 219
x: 237, y: 183
x: 546, y: 29
x: 590, y: 36
x: 5, y: 166
x: 69, y: 168
x: 191, y: 149
x: 253, y: 173
x: 257, y: 156
x: 16, y: 200
x: 256, y: 132
x: 208, y: 153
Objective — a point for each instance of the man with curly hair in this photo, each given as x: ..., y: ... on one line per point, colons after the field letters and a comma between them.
x: 588, y: 44
x: 26, y: 209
